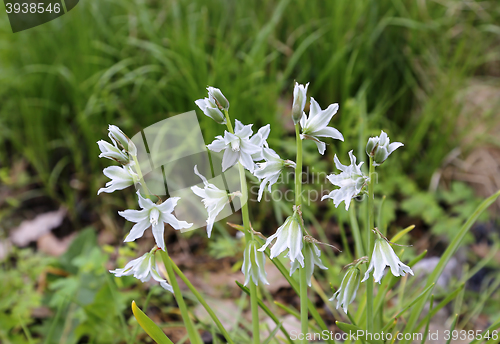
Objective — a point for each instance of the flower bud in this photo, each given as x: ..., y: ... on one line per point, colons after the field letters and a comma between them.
x: 299, y: 101
x: 121, y: 139
x: 219, y: 98
x: 379, y: 148
x: 112, y: 152
x: 371, y: 145
x: 210, y: 109
x: 346, y: 293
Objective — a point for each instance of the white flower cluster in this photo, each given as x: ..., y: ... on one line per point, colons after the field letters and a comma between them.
x: 154, y: 215
x: 352, y: 182
x: 253, y: 153
x: 251, y: 150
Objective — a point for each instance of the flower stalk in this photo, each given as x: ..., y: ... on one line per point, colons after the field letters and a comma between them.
x: 254, y: 305
x: 298, y: 202
x: 194, y: 336
x: 369, y: 245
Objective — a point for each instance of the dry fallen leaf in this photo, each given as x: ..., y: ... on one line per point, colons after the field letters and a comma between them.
x: 52, y: 245
x: 31, y: 230
x: 225, y: 310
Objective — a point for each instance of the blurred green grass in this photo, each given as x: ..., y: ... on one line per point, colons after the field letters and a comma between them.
x: 390, y: 64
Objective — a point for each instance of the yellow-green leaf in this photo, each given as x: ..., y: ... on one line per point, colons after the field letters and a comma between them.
x: 149, y: 326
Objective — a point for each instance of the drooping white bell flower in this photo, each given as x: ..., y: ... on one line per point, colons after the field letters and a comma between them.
x: 351, y: 182
x: 213, y: 198
x: 316, y: 125
x: 210, y: 109
x: 299, y: 101
x: 383, y: 255
x: 312, y: 256
x: 270, y: 170
x: 155, y: 215
x: 237, y: 147
x: 121, y: 178
x: 143, y: 268
x: 288, y: 236
x: 379, y: 147
x: 346, y: 293
x: 254, y: 263
x: 122, y: 140
x: 260, y: 140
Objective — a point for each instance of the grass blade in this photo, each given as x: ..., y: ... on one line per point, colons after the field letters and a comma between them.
x: 149, y: 326
x: 267, y: 311
x: 200, y: 298
x: 448, y: 253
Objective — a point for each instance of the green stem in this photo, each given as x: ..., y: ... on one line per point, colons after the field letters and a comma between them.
x: 254, y: 305
x: 304, y: 313
x: 194, y: 336
x: 371, y: 225
x: 298, y: 168
x: 202, y: 301
x: 145, y: 188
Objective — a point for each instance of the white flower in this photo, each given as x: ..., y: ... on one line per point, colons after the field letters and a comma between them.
x: 216, y: 94
x: 119, y: 137
x: 121, y: 178
x: 155, y: 215
x: 237, y: 147
x: 210, y: 109
x: 383, y: 255
x: 143, y: 268
x: 270, y: 170
x: 351, y: 181
x: 112, y: 152
x: 316, y: 125
x: 346, y: 293
x: 288, y: 236
x: 213, y: 198
x: 379, y: 148
x: 254, y: 264
x: 299, y: 101
x: 260, y: 140
x: 312, y: 257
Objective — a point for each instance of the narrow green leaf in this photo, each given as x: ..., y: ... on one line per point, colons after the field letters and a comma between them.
x: 448, y: 253
x: 443, y: 303
x: 273, y: 334
x: 428, y: 321
x: 149, y: 326
x: 402, y: 233
x: 287, y: 309
x: 410, y: 304
x: 267, y: 311
x: 354, y: 330
x: 200, y: 298
x: 453, y: 324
